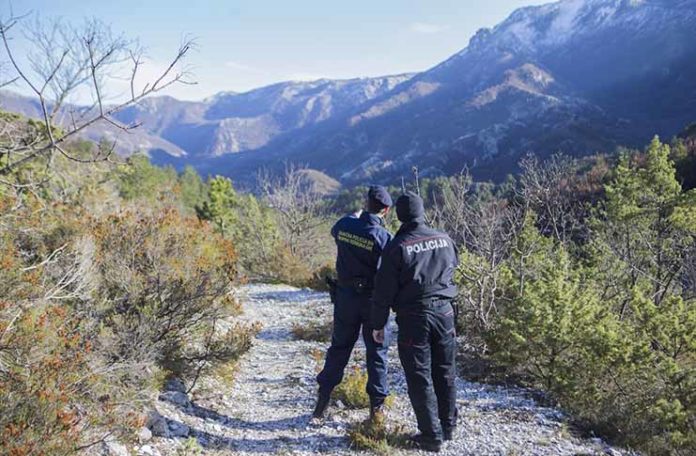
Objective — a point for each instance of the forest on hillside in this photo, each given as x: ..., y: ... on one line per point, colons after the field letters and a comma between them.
x: 577, y: 277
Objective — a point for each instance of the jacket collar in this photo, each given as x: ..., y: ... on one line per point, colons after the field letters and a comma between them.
x: 411, y: 225
x: 372, y: 218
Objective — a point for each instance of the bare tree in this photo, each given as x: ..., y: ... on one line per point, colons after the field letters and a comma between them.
x: 299, y: 205
x: 450, y: 206
x: 550, y: 189
x: 66, y: 60
x: 486, y: 228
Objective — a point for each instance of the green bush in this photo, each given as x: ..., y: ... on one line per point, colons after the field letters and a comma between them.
x: 167, y: 284
x: 352, y: 390
x: 59, y: 392
x: 606, y: 323
x: 95, y: 312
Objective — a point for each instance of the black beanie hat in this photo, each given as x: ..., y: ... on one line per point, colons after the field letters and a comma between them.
x: 409, y: 207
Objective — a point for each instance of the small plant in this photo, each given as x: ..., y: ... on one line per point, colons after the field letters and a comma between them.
x: 318, y: 356
x: 190, y: 447
x: 352, y: 390
x: 375, y: 436
x: 313, y: 331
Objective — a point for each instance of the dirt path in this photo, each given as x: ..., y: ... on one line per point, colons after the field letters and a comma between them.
x: 266, y: 409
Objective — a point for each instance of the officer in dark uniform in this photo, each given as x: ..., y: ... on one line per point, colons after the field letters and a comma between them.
x: 415, y: 279
x: 360, y: 240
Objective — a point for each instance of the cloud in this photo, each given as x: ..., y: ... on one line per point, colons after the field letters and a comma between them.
x: 426, y: 28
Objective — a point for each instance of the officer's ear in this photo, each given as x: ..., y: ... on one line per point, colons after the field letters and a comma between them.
x: 385, y: 211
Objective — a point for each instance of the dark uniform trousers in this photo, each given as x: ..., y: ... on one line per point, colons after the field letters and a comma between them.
x: 427, y: 349
x: 351, y: 311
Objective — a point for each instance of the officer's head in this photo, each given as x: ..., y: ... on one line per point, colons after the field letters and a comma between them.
x: 378, y: 200
x: 409, y: 207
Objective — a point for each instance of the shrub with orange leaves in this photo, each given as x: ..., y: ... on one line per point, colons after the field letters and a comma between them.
x: 96, y: 311
x: 168, y: 284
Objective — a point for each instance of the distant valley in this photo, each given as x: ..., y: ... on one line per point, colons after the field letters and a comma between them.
x: 576, y: 76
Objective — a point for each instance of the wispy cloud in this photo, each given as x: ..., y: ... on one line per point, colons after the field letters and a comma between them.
x: 427, y: 28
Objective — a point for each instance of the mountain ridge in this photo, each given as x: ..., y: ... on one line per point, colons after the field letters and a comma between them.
x: 577, y: 76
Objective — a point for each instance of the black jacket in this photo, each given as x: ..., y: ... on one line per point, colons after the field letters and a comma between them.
x: 417, y: 265
x: 360, y: 242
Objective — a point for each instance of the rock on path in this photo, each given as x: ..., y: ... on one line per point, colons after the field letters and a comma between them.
x: 266, y: 408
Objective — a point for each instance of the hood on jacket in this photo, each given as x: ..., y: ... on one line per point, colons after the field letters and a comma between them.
x: 410, y: 208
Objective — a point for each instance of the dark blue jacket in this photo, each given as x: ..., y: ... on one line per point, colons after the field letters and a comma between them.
x: 360, y: 242
x: 417, y: 265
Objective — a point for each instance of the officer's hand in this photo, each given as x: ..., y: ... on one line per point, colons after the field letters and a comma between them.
x: 378, y: 335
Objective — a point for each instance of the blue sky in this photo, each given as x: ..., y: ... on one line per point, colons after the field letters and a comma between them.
x: 243, y: 44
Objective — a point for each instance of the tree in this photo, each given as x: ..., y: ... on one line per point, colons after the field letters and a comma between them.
x: 646, y: 227
x: 248, y: 223
x: 298, y: 204
x: 194, y: 191
x: 64, y: 60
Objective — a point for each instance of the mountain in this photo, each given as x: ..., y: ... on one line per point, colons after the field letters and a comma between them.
x: 576, y: 76
x: 134, y: 140
x: 232, y: 122
x: 227, y: 122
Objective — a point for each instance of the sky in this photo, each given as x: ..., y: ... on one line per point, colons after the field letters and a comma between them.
x: 244, y: 44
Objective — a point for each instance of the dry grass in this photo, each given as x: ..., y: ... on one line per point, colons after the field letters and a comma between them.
x: 376, y: 436
x: 313, y: 331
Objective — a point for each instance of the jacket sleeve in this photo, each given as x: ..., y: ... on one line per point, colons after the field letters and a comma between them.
x: 386, y: 287
x: 334, y: 229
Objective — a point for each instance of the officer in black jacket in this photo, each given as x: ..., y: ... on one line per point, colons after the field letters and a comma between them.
x: 360, y: 240
x: 415, y: 279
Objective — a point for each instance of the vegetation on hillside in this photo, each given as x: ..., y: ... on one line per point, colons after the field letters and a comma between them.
x: 580, y: 282
x: 577, y: 277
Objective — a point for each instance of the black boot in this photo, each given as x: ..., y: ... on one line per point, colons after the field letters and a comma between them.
x: 421, y: 442
x: 448, y: 434
x: 323, y: 399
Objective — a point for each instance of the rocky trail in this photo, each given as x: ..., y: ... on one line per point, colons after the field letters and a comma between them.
x: 265, y: 408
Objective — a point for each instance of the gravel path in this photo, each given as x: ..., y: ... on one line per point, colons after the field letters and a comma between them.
x: 266, y: 409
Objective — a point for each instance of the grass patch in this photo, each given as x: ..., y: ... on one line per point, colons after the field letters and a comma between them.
x: 351, y: 391
x: 377, y: 437
x: 313, y: 331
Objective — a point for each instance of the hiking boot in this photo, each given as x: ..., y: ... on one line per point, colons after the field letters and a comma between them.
x: 322, y: 404
x: 420, y: 442
x: 448, y: 434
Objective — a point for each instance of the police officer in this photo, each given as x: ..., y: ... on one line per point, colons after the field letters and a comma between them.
x: 415, y: 278
x: 360, y: 239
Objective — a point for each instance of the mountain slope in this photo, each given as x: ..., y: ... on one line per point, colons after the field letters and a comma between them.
x: 577, y: 76
x: 232, y: 122
x: 138, y: 139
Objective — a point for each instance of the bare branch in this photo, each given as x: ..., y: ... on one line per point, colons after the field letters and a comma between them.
x: 66, y: 60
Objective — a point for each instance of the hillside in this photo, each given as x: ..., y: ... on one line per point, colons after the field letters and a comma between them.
x: 576, y: 76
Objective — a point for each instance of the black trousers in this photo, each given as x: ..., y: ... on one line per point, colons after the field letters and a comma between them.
x: 427, y: 349
x: 351, y: 315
